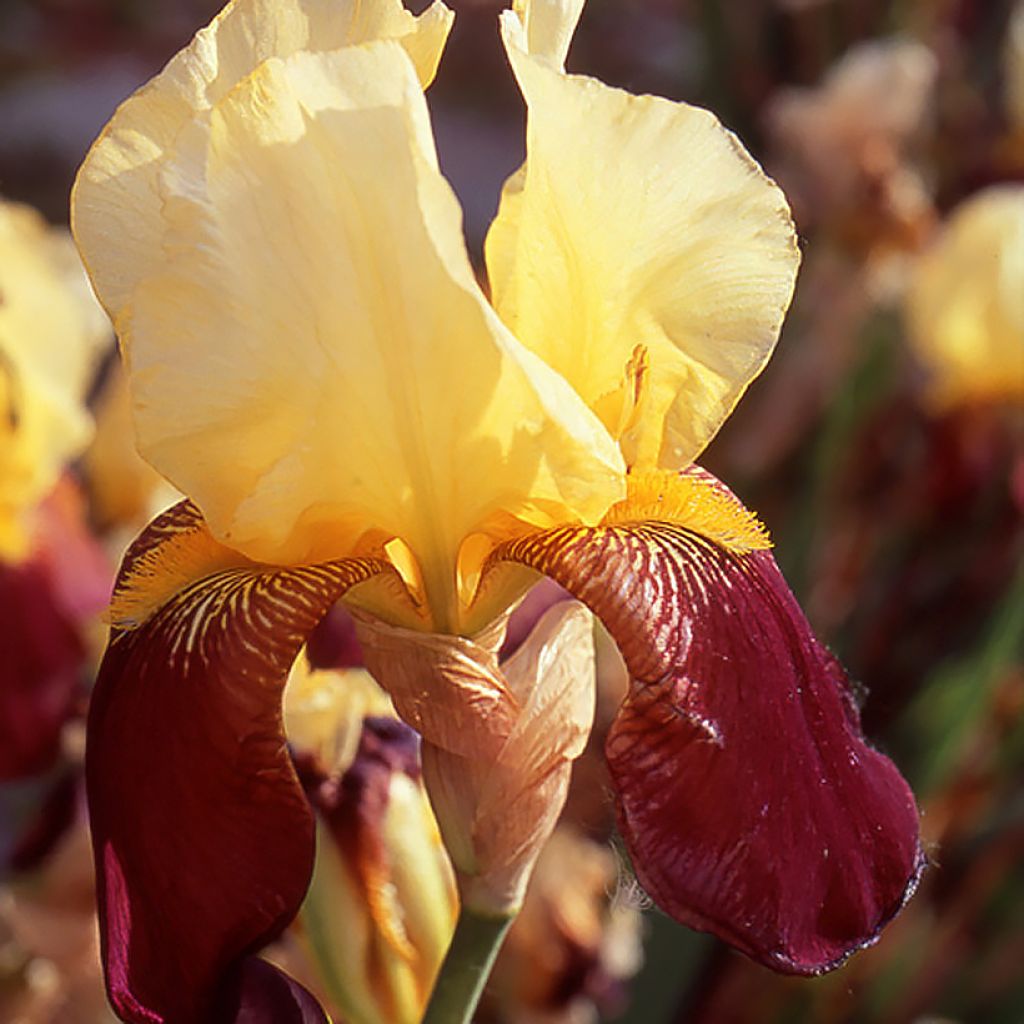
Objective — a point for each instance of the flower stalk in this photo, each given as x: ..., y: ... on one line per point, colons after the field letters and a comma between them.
x: 467, y: 966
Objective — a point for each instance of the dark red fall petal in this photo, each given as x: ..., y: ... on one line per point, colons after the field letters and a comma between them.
x: 202, y: 836
x: 751, y: 805
x: 334, y: 644
x: 40, y: 662
x: 260, y: 993
x: 45, y: 600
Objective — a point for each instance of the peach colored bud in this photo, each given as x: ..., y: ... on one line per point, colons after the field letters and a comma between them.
x: 498, y: 741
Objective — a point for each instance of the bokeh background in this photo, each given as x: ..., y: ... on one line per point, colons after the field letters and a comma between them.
x: 892, y: 482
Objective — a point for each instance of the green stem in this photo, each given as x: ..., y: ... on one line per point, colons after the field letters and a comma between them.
x: 466, y: 968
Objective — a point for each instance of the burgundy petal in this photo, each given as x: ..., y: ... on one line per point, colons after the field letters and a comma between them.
x: 260, y: 993
x: 40, y: 661
x: 202, y: 837
x: 45, y: 600
x: 751, y: 805
x: 334, y: 644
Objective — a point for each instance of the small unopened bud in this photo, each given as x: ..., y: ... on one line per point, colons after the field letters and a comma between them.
x: 498, y: 740
x: 381, y: 907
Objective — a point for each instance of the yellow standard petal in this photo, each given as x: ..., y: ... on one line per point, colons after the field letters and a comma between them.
x: 310, y: 355
x: 965, y: 306
x: 51, y: 333
x: 640, y: 250
x: 549, y: 27
x: 117, y: 202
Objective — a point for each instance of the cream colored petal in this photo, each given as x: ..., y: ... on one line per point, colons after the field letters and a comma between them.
x: 642, y: 253
x: 324, y: 711
x: 51, y: 335
x: 965, y: 306
x: 312, y: 358
x: 549, y: 26
x: 116, y: 201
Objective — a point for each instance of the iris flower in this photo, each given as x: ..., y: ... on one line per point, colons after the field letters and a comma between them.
x: 53, y: 577
x: 965, y: 304
x: 314, y: 364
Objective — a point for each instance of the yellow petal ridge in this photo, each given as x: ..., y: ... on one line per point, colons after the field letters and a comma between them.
x: 694, y: 501
x: 680, y: 245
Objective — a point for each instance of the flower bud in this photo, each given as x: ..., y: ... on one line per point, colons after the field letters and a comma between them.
x: 381, y: 905
x: 498, y: 741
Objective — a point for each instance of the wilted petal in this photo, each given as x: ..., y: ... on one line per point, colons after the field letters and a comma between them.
x: 202, y: 836
x: 656, y: 287
x: 751, y: 804
x: 575, y: 943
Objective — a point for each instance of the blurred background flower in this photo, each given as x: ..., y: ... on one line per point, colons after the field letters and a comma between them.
x: 883, y: 446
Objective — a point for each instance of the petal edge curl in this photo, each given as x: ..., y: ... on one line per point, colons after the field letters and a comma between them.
x: 202, y: 837
x: 680, y: 257
x: 750, y: 802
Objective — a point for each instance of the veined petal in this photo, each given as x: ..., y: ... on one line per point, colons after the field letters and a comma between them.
x: 116, y: 204
x: 656, y: 287
x: 202, y: 837
x: 750, y: 802
x: 292, y: 355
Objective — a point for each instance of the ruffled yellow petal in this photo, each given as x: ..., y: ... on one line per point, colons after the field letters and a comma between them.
x: 310, y: 355
x: 640, y: 251
x: 51, y: 332
x: 117, y: 202
x: 965, y: 307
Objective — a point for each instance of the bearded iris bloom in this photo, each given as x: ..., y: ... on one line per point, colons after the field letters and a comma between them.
x: 315, y: 366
